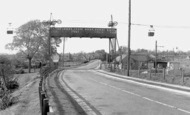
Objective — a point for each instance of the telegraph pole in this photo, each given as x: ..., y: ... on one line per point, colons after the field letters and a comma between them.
x: 63, y: 50
x: 129, y: 37
x: 49, y: 40
x: 51, y: 23
x: 112, y: 24
x: 156, y: 57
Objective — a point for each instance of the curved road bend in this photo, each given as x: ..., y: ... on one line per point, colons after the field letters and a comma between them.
x: 119, y: 97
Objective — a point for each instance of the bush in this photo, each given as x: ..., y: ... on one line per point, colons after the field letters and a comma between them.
x: 7, y: 100
x: 1, y: 93
x: 85, y: 61
x: 13, y: 84
x: 19, y: 71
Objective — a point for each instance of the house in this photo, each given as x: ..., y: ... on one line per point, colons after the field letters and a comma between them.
x: 137, y: 60
x: 188, y: 57
x: 161, y: 64
x: 172, y: 65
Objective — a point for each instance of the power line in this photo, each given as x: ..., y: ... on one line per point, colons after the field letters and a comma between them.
x: 85, y: 21
x: 134, y: 24
x: 163, y: 26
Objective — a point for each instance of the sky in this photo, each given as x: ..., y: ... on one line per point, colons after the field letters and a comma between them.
x: 170, y: 19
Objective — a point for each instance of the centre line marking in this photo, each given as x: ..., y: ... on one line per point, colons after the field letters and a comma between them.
x: 145, y: 98
x: 147, y: 85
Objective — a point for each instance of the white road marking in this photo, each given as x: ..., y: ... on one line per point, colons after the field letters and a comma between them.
x: 146, y: 98
x: 144, y: 80
x: 147, y: 85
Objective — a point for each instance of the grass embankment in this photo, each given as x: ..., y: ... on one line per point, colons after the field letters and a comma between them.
x: 172, y: 77
x: 27, y: 94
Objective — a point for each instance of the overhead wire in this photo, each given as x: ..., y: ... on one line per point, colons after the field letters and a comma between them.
x: 164, y: 26
x: 134, y: 24
x: 160, y: 26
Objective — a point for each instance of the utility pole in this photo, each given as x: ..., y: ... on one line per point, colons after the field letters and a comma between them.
x: 49, y: 40
x: 112, y: 24
x: 111, y: 41
x: 50, y: 23
x: 109, y: 57
x: 129, y: 37
x: 63, y: 50
x: 156, y: 57
x: 120, y: 53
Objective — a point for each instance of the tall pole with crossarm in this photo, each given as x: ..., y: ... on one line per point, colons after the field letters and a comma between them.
x: 129, y: 39
x: 51, y: 23
x: 112, y: 24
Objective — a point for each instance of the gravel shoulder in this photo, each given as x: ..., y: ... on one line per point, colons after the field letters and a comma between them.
x: 60, y: 101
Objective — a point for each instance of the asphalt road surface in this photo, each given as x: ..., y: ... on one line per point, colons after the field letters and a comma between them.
x: 108, y: 96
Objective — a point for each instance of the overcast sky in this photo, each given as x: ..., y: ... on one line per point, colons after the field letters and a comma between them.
x: 169, y: 18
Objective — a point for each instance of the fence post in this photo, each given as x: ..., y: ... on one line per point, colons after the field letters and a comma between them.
x: 139, y: 72
x: 125, y: 72
x: 182, y: 75
x: 45, y: 107
x: 42, y: 98
x: 164, y: 73
x: 121, y: 71
x: 139, y: 68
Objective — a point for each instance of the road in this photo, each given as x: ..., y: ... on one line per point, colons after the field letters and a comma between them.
x: 105, y: 95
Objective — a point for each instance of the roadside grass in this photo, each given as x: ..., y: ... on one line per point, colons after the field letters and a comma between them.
x: 172, y: 77
x: 7, y: 100
x: 32, y: 70
x: 27, y: 97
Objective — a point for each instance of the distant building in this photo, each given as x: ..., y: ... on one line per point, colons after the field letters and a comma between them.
x: 161, y: 64
x: 137, y: 60
x: 172, y: 65
x: 188, y: 57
